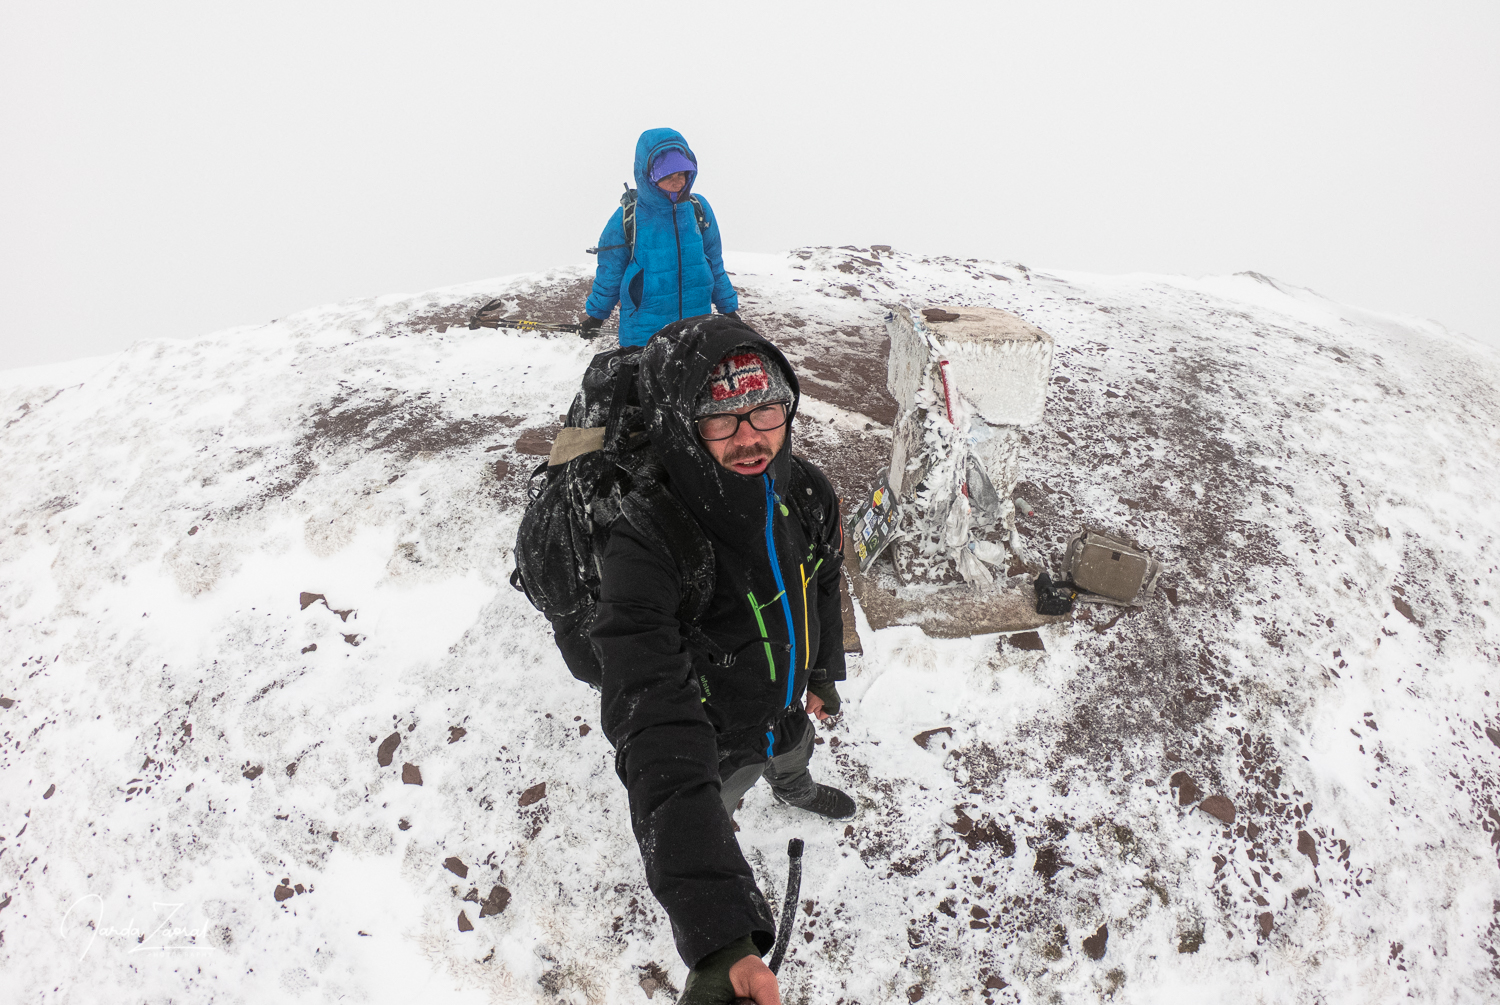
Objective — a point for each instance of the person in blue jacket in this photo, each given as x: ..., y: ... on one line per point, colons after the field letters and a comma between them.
x: 676, y: 268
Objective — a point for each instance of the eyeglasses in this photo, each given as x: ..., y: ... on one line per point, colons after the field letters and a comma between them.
x: 723, y: 425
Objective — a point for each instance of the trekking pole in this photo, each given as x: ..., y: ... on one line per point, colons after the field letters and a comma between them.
x: 788, y: 910
x: 487, y: 317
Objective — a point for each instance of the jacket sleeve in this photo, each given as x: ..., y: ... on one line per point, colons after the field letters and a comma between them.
x: 666, y: 753
x: 611, y: 267
x: 724, y: 297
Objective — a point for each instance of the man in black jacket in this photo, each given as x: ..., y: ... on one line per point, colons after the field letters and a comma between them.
x: 692, y: 734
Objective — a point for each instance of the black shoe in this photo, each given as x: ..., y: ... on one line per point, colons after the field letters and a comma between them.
x: 829, y: 802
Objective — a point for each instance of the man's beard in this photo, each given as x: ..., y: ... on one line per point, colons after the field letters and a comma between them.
x: 736, y: 455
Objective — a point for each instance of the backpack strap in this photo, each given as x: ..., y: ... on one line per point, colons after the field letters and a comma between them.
x: 806, y: 501
x: 700, y: 213
x: 627, y: 205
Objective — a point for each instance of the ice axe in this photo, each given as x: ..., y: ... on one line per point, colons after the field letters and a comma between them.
x: 488, y: 316
x: 788, y: 910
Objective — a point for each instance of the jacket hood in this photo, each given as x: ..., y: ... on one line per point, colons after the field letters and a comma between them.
x: 674, y: 366
x: 652, y: 144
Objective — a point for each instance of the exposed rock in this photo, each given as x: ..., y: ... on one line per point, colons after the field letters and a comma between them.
x: 387, y: 750
x: 495, y: 903
x: 1187, y: 789
x: 464, y: 924
x: 1218, y: 806
x: 925, y: 737
x: 1265, y: 920
x: 1307, y: 846
x: 456, y: 866
x: 535, y: 794
x: 252, y: 771
x: 1093, y: 945
x: 411, y: 774
x: 1030, y: 641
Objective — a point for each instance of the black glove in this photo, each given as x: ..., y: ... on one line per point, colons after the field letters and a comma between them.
x: 590, y: 325
x: 825, y: 689
x: 708, y: 982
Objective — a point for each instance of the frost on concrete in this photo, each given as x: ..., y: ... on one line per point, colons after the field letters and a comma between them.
x: 1277, y: 782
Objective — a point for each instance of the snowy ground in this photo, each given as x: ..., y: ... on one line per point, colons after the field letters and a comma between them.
x: 234, y: 572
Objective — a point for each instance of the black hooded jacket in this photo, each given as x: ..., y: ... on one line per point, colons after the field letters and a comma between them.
x: 678, y: 721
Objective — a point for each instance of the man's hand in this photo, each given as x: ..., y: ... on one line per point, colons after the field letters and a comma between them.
x: 727, y: 975
x: 590, y: 325
x: 823, y: 698
x: 753, y: 979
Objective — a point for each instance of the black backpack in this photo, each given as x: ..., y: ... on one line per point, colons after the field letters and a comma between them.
x: 603, y: 468
x: 628, y: 201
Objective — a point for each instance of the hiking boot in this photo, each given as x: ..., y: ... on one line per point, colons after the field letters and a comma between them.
x: 829, y: 802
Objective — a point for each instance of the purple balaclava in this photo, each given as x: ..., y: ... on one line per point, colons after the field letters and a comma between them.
x: 671, y: 162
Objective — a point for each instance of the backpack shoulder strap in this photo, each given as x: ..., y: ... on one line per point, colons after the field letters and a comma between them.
x: 627, y: 204
x: 807, y: 492
x: 700, y: 213
x: 657, y: 515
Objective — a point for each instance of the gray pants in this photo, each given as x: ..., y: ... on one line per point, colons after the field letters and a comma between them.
x: 787, y: 772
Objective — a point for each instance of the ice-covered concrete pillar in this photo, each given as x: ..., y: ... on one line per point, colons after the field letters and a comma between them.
x: 965, y: 380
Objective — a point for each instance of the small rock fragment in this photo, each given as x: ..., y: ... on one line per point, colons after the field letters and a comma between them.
x: 496, y: 902
x: 456, y: 733
x: 291, y: 769
x: 1307, y: 846
x: 1218, y: 806
x: 535, y: 794
x: 464, y: 924
x: 583, y: 729
x: 1266, y: 920
x: 411, y: 774
x: 354, y: 639
x: 308, y: 599
x: 309, y: 649
x: 923, y: 738
x: 1030, y: 641
x: 1187, y: 789
x: 456, y: 866
x: 252, y: 772
x: 53, y: 788
x: 387, y: 751
x: 7, y: 702
x: 1093, y: 945
x: 283, y: 892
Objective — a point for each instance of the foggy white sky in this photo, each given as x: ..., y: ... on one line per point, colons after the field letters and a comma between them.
x: 172, y: 168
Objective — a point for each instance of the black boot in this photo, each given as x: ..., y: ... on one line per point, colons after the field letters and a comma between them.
x: 829, y: 802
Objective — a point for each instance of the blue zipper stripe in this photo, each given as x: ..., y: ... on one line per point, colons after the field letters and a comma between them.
x: 786, y: 604
x: 770, y: 742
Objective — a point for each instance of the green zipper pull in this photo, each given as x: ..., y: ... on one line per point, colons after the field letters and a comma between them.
x: 784, y: 510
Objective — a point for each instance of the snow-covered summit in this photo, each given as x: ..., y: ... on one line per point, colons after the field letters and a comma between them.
x: 275, y: 726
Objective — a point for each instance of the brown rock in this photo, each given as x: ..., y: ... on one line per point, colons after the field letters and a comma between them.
x: 1031, y: 641
x: 1266, y: 920
x: 536, y: 442
x: 583, y: 729
x: 7, y: 702
x: 387, y: 750
x: 1406, y: 611
x: 1493, y: 734
x: 925, y: 737
x: 464, y: 924
x: 411, y: 774
x: 535, y: 794
x: 48, y: 794
x: 308, y: 599
x: 1218, y: 806
x: 312, y: 648
x: 252, y: 771
x: 1187, y: 789
x: 496, y: 902
x: 1307, y: 846
x: 456, y: 866
x: 283, y: 892
x: 937, y: 314
x: 1094, y: 945
x: 456, y: 733
x: 915, y: 993
x: 291, y: 769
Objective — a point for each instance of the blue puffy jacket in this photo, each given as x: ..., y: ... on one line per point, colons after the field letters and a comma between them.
x: 677, y: 271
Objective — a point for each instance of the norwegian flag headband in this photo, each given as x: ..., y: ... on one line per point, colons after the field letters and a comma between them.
x: 742, y: 379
